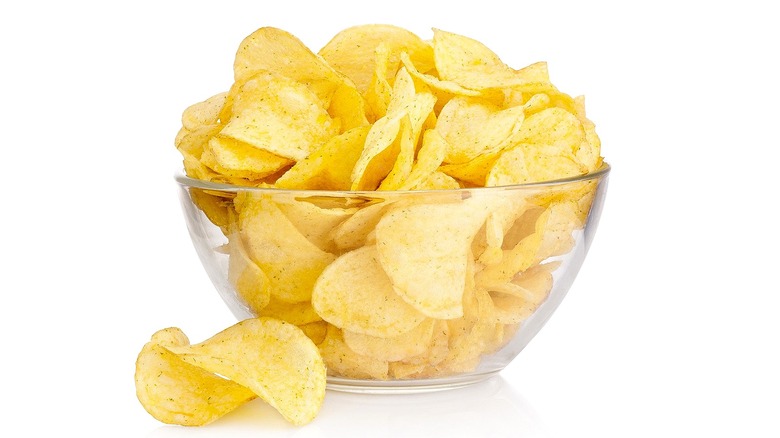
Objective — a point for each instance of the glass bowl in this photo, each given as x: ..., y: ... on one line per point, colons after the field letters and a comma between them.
x: 402, y: 291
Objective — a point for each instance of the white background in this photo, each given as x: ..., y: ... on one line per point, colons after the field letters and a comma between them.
x: 670, y: 330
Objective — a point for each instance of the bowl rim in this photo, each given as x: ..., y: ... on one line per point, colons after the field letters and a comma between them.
x: 182, y: 179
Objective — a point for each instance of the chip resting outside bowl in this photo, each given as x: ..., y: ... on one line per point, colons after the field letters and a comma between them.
x: 194, y: 384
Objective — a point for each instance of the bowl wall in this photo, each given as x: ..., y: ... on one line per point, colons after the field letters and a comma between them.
x: 401, y: 291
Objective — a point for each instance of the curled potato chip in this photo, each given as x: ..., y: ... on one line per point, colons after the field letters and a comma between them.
x: 514, y: 304
x: 330, y: 166
x: 281, y: 116
x: 355, y: 294
x: 429, y: 158
x: 314, y: 222
x: 472, y: 65
x: 384, y: 142
x: 189, y: 384
x: 235, y: 158
x: 273, y: 50
x: 474, y: 127
x: 176, y: 392
x: 203, y: 113
x: 272, y: 358
x: 354, y: 232
x: 352, y: 51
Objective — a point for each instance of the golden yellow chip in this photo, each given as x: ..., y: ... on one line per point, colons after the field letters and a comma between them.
x: 203, y: 113
x: 472, y: 65
x: 424, y: 248
x: 355, y: 231
x: 517, y: 300
x: 250, y: 282
x: 352, y: 52
x: 429, y: 158
x: 330, y: 166
x: 383, y: 144
x: 314, y: 222
x: 394, y: 348
x: 474, y: 127
x: 272, y: 358
x: 295, y: 313
x: 195, y: 384
x: 291, y: 262
x: 342, y: 361
x: 280, y: 116
x: 355, y: 294
x: 175, y: 392
x: 235, y: 158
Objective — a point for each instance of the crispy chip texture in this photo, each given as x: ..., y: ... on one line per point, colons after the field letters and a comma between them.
x: 195, y: 384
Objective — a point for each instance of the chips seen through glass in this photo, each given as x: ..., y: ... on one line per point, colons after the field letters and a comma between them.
x: 401, y: 291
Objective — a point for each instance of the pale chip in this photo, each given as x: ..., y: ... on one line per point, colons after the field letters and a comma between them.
x: 355, y: 294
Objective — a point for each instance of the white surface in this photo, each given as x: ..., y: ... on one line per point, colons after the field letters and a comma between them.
x: 670, y: 330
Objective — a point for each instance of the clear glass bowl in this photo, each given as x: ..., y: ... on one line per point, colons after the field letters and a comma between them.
x: 402, y: 291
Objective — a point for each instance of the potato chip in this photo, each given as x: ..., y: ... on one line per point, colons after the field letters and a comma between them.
x: 352, y: 52
x: 516, y: 303
x: 241, y: 160
x: 291, y: 262
x: 315, y: 331
x: 394, y: 348
x: 517, y: 259
x: 424, y: 248
x: 314, y: 222
x: 472, y: 65
x: 383, y: 144
x: 429, y: 158
x: 274, y: 50
x: 280, y: 116
x: 438, y: 181
x: 272, y: 358
x: 217, y: 209
x: 404, y: 160
x: 330, y: 166
x: 557, y: 238
x: 379, y: 90
x: 472, y: 334
x: 295, y: 313
x: 474, y: 127
x: 203, y: 113
x: 176, y: 392
x: 355, y: 294
x: 341, y: 361
x: 249, y: 281
x: 354, y: 232
x: 192, y: 143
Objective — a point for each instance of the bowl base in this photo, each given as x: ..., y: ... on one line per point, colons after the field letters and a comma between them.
x: 410, y: 386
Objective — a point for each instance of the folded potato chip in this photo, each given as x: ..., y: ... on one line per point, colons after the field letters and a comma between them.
x: 188, y: 384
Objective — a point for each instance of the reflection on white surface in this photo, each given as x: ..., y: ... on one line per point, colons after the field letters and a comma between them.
x: 488, y: 409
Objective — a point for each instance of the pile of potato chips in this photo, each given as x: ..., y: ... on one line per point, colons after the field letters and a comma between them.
x: 412, y: 270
